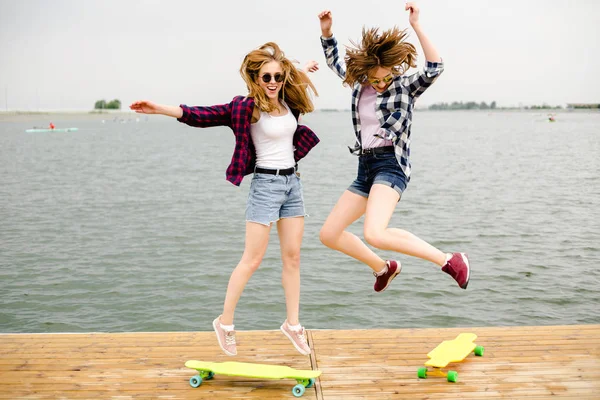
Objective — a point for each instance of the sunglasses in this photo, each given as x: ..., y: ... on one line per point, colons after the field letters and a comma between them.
x: 266, y: 78
x: 385, y: 79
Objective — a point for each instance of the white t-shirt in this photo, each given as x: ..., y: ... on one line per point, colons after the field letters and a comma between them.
x: 273, y: 140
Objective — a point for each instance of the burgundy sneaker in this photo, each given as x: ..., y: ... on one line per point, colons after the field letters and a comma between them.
x: 458, y: 268
x: 383, y: 281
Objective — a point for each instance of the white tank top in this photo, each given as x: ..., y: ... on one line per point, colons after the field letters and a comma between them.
x: 273, y: 138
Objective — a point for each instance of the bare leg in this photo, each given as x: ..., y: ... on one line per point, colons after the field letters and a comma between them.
x: 348, y: 209
x: 381, y: 204
x: 257, y: 239
x: 290, y: 232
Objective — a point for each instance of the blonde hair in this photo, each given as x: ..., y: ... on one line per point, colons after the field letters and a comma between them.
x: 295, y: 83
x: 386, y: 50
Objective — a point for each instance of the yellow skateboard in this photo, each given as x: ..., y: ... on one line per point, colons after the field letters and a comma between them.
x: 447, y: 352
x: 206, y: 371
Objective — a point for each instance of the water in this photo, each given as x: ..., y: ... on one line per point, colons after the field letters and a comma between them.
x: 132, y: 226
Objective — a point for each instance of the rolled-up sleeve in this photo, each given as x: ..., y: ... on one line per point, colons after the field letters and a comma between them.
x: 204, y: 117
x: 418, y: 82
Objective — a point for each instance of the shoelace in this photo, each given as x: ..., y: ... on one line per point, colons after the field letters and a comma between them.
x: 301, y: 335
x: 230, y: 338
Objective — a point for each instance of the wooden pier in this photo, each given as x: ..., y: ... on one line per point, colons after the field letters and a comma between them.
x: 536, y: 362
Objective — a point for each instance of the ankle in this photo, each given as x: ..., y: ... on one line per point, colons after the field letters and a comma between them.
x: 383, y: 270
x: 444, y: 259
x: 227, y: 327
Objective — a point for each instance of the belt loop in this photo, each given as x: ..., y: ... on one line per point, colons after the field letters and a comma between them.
x: 277, y: 173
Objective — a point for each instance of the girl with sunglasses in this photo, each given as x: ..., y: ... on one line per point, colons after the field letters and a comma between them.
x: 268, y: 142
x: 383, y: 99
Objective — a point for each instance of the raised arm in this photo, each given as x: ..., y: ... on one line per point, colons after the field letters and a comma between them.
x: 329, y: 44
x: 418, y: 82
x: 431, y: 53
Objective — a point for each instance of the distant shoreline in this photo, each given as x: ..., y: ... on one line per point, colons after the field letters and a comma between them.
x: 45, y: 116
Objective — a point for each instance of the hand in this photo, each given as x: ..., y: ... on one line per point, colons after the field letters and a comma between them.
x: 326, y: 22
x: 311, y: 66
x: 144, y: 107
x: 414, y: 13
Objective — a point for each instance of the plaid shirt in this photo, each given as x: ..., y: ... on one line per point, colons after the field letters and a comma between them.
x: 394, y: 107
x: 237, y: 115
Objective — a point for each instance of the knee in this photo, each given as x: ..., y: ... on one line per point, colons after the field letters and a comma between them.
x: 251, y: 265
x: 291, y: 259
x: 328, y: 237
x: 374, y: 238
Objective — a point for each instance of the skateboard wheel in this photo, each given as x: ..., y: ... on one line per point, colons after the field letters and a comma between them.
x: 298, y: 390
x: 422, y: 372
x: 311, y: 382
x: 210, y: 375
x: 195, y: 381
x: 452, y: 376
x: 479, y: 351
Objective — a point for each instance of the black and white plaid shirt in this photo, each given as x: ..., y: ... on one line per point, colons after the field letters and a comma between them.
x: 394, y: 107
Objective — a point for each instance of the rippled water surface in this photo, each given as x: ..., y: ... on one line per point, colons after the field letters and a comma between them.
x: 131, y: 226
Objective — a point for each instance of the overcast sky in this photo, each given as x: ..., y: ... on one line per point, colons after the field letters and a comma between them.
x: 65, y: 54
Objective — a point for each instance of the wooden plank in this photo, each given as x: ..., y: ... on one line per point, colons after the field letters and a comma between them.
x: 519, y: 362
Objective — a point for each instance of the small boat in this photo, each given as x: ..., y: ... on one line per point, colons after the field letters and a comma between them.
x: 51, y: 130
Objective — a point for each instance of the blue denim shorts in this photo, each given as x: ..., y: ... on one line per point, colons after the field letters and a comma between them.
x: 378, y: 168
x: 273, y: 197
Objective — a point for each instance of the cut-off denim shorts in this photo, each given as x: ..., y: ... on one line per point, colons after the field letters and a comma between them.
x: 273, y: 197
x: 378, y: 168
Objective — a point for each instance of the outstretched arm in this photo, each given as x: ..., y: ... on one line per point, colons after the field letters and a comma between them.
x: 198, y: 116
x: 148, y: 107
x: 431, y: 53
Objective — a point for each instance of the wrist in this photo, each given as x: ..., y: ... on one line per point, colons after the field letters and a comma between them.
x: 416, y: 26
x: 326, y: 34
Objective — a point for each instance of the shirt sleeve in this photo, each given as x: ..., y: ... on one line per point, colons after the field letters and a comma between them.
x: 333, y: 57
x: 418, y: 82
x: 204, y: 117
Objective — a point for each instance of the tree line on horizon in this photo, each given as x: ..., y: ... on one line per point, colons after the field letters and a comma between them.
x: 459, y: 105
x: 111, y: 105
x: 473, y: 105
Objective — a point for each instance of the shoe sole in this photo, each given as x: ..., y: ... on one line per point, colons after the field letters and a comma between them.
x: 293, y: 342
x: 466, y: 261
x: 392, y: 278
x: 219, y: 340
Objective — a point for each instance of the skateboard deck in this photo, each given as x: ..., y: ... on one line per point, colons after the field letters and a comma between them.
x: 207, y: 370
x: 450, y: 351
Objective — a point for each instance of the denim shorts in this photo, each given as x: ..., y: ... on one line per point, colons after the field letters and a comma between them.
x: 378, y: 168
x: 273, y: 197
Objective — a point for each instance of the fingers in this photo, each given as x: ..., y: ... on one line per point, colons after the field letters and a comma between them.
x: 138, y: 106
x: 324, y: 14
x: 311, y: 66
x: 411, y: 6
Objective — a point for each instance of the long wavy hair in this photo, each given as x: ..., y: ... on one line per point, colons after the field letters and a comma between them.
x: 296, y: 84
x: 386, y: 50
